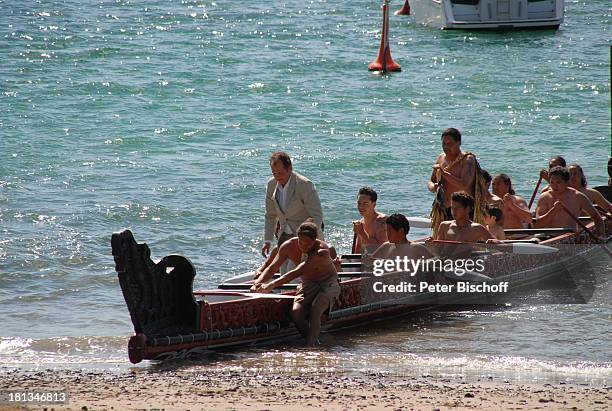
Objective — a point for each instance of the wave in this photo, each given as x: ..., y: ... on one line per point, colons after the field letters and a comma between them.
x: 16, y: 352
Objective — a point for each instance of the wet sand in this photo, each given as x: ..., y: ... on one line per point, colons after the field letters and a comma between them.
x: 199, y: 390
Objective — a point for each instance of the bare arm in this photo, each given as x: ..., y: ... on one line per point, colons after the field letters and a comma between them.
x: 467, y: 174
x: 485, y: 234
x: 284, y: 279
x: 545, y: 211
x: 519, y: 207
x: 442, y: 230
x: 600, y: 200
x: 587, y: 206
x: 432, y: 184
x: 273, y: 267
x: 266, y: 263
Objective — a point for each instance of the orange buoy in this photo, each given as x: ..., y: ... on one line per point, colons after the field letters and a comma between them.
x: 405, y: 10
x: 383, y: 61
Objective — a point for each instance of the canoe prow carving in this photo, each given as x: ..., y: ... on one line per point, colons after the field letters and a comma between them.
x: 159, y: 296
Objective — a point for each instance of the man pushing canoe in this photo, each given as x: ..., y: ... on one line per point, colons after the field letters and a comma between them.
x: 319, y: 288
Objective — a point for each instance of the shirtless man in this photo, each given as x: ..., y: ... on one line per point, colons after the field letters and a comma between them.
x: 319, y: 287
x: 491, y: 198
x: 370, y: 230
x: 554, y: 162
x: 398, y: 245
x: 550, y: 213
x: 462, y: 229
x: 453, y: 171
x: 578, y: 182
x: 514, y: 207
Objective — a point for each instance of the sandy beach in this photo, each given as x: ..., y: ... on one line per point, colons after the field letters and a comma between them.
x: 199, y: 390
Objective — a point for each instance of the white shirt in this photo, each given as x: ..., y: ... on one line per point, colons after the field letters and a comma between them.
x: 281, y: 199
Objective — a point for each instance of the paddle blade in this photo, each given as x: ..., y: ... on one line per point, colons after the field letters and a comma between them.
x: 419, y: 222
x: 529, y: 248
x: 471, y: 276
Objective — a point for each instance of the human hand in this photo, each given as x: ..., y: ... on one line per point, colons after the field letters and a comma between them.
x: 265, y: 250
x: 337, y: 264
x: 256, y: 274
x: 264, y: 288
x: 544, y: 174
x: 358, y: 228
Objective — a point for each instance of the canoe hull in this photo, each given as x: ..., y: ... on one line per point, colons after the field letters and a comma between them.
x: 172, y: 321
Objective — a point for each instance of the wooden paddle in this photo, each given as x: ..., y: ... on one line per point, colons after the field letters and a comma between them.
x: 535, y: 192
x: 419, y: 222
x: 585, y: 228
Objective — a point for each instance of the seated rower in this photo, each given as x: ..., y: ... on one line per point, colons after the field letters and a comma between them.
x: 556, y: 161
x: 514, y: 207
x: 550, y: 211
x: 490, y: 198
x: 397, y: 227
x: 578, y: 182
x: 462, y: 229
x: 370, y: 229
x: 495, y: 221
x: 319, y: 288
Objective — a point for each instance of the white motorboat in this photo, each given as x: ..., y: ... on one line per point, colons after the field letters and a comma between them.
x: 489, y: 14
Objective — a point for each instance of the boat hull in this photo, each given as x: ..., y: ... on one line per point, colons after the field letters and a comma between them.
x: 489, y: 14
x: 172, y: 321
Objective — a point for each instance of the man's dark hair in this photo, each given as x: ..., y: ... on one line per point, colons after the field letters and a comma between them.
x: 398, y: 221
x: 463, y: 198
x: 309, y: 229
x: 495, y: 212
x: 508, y: 181
x: 558, y: 159
x: 561, y: 172
x: 485, y: 174
x: 452, y: 132
x: 583, y: 180
x: 369, y: 191
x: 282, y: 157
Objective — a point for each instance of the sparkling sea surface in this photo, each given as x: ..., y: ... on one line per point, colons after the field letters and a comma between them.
x: 160, y: 116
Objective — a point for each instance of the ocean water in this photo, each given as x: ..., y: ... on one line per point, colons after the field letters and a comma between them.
x: 160, y: 117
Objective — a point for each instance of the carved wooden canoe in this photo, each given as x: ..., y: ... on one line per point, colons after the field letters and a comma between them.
x: 171, y: 320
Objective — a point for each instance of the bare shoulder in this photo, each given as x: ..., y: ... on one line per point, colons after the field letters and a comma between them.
x: 519, y: 199
x: 381, y: 218
x: 288, y: 245
x: 545, y: 196
x: 446, y: 224
x: 581, y: 196
x: 323, y: 252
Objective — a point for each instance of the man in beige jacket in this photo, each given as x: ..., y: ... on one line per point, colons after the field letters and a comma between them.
x: 290, y: 199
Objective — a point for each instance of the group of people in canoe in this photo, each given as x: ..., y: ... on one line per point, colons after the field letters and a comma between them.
x: 464, y: 210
